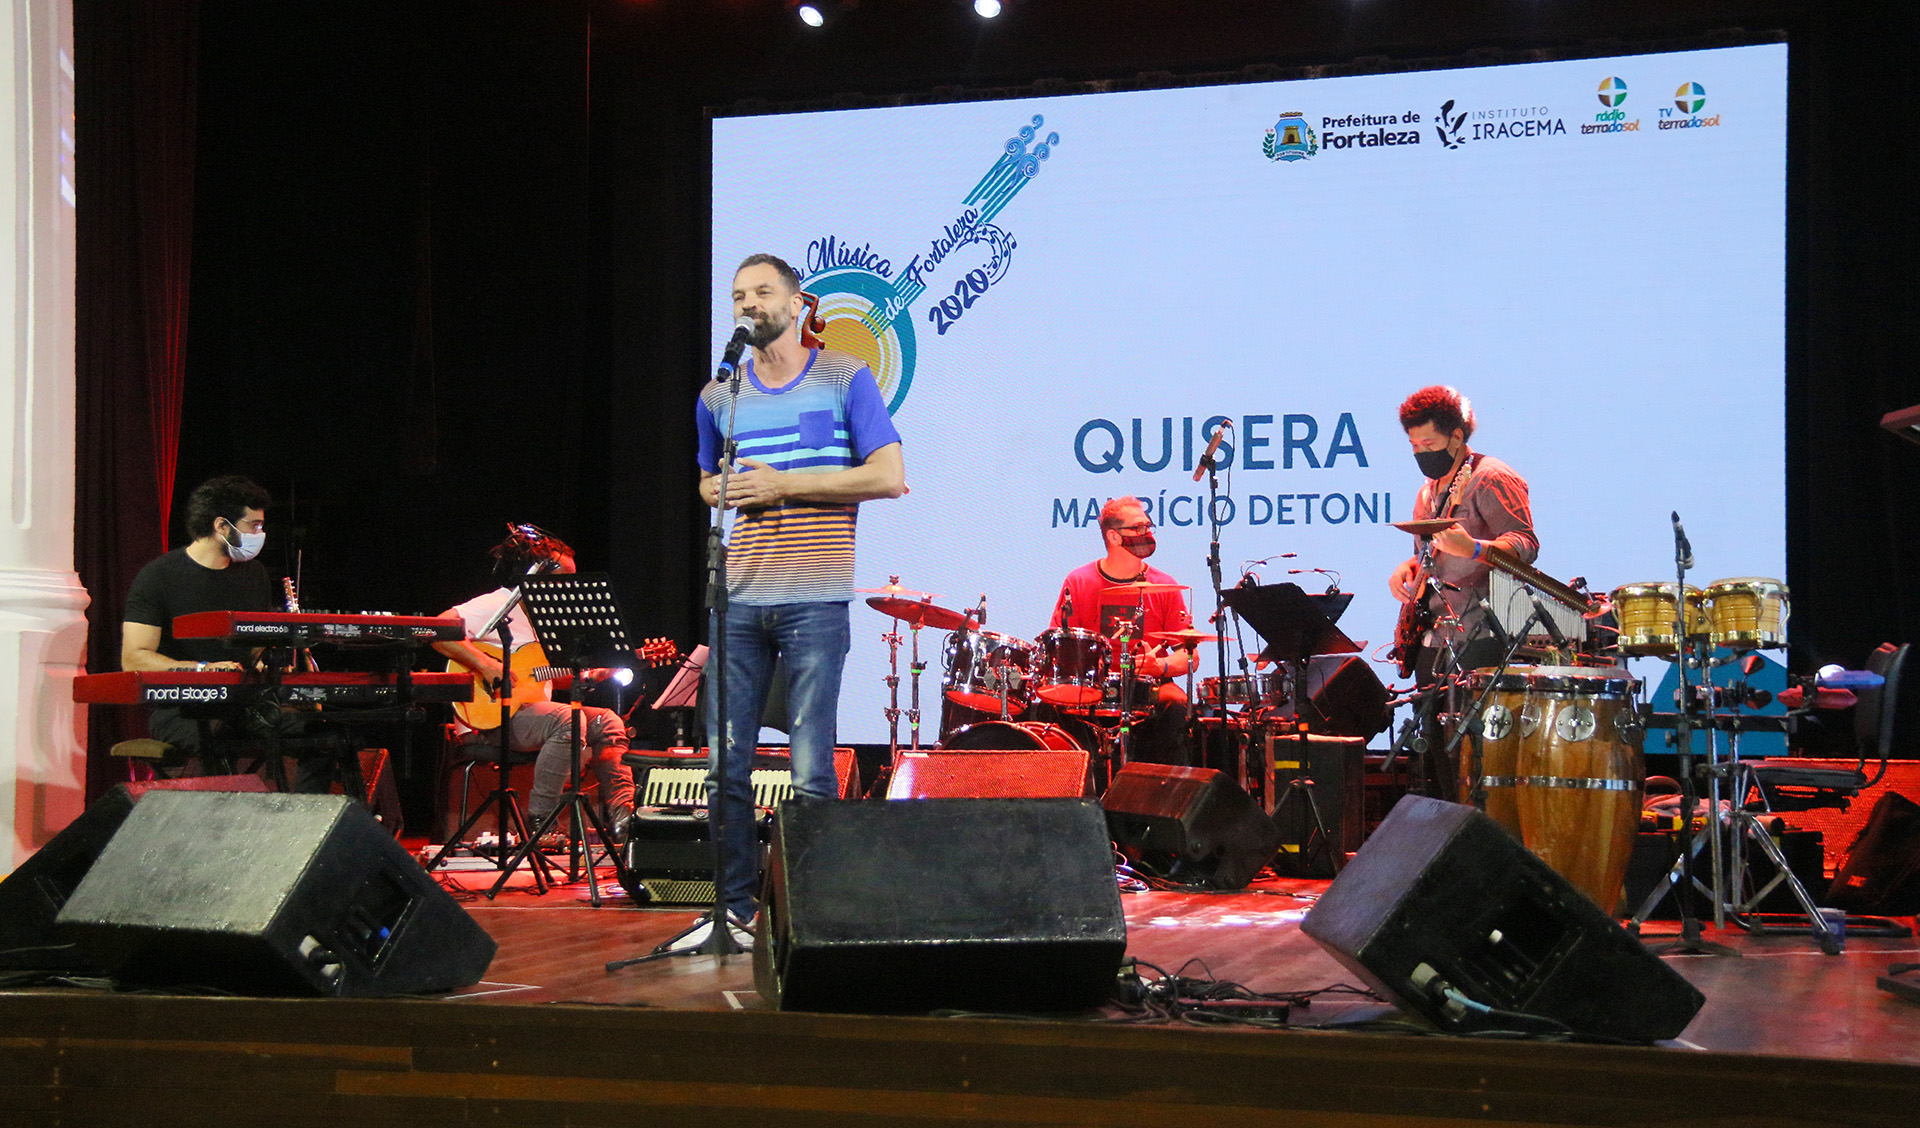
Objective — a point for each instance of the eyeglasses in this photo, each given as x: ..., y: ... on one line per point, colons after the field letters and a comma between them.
x: 1142, y: 527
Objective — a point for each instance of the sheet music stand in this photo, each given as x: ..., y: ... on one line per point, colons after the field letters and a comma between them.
x: 578, y: 622
x: 1297, y: 626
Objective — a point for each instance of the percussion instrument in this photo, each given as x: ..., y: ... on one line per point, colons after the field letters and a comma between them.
x: 916, y: 610
x: 1581, y: 776
x: 1747, y: 612
x: 1506, y: 719
x: 1072, y: 666
x: 1034, y: 735
x: 986, y: 670
x: 1246, y: 691
x: 1646, y: 615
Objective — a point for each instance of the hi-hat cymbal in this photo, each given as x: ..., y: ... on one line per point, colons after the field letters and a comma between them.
x: 1427, y: 526
x: 1188, y: 637
x: 918, y: 613
x: 1144, y: 589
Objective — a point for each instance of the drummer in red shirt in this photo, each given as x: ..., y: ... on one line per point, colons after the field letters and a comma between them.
x: 1096, y: 608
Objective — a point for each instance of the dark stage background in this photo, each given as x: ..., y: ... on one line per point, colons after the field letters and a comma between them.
x: 449, y: 257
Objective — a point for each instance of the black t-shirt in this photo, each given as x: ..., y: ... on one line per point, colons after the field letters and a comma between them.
x: 176, y: 584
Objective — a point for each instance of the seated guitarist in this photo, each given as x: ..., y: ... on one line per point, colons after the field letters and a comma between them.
x: 1442, y: 627
x: 539, y: 724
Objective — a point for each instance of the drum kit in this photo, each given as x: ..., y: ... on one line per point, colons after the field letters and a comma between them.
x: 1069, y: 688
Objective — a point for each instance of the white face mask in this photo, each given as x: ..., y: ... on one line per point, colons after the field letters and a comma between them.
x: 248, y: 547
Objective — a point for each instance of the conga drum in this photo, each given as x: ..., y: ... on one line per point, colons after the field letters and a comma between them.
x: 1506, y: 721
x: 1581, y: 778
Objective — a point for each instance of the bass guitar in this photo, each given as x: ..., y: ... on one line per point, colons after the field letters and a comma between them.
x: 531, y: 677
x: 1416, y: 618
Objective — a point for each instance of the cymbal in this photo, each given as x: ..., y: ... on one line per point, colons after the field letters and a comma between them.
x: 896, y: 589
x: 918, y: 613
x: 1144, y: 589
x: 1188, y: 637
x: 1426, y: 527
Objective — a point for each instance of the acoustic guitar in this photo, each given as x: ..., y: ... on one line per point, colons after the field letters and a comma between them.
x: 531, y: 677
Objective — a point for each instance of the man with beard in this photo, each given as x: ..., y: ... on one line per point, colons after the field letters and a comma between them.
x: 1088, y: 602
x: 814, y: 440
x: 1489, y: 501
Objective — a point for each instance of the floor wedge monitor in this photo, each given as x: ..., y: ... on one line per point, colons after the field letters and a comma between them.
x: 917, y: 904
x: 270, y: 895
x: 1453, y: 919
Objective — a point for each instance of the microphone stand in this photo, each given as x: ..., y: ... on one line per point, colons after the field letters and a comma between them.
x: 1689, y: 941
x: 719, y: 941
x: 1198, y: 730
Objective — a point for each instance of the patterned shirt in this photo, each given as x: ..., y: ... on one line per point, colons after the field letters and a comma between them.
x: 830, y: 417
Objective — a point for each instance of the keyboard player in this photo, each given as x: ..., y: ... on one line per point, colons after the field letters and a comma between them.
x: 216, y: 571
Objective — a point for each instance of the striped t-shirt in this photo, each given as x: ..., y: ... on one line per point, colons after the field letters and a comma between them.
x: 829, y: 418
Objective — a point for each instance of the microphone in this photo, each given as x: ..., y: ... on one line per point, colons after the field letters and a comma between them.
x: 1682, y: 548
x: 1066, y: 607
x: 1546, y: 620
x: 1213, y: 446
x: 742, y: 329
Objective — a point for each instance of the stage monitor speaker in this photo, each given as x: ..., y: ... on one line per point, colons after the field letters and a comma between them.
x: 990, y: 774
x: 981, y: 904
x: 1344, y: 697
x: 1442, y: 905
x: 1336, y: 767
x: 1191, y: 825
x: 270, y: 894
x: 32, y: 895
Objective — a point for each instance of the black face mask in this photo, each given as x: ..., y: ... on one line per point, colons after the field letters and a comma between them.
x: 1141, y: 544
x: 1434, y: 463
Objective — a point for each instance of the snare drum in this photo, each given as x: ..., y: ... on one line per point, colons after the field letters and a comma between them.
x: 1073, y: 666
x: 1581, y: 777
x: 986, y: 669
x: 1244, y: 691
x: 1646, y: 617
x: 1748, y: 612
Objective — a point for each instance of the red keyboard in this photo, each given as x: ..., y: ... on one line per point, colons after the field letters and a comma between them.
x: 217, y: 687
x: 305, y: 628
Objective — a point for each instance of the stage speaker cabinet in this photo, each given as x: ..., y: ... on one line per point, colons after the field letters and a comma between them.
x: 991, y: 774
x: 1344, y: 697
x: 1441, y: 899
x: 981, y: 904
x: 270, y: 894
x: 1190, y: 825
x: 32, y: 896
x: 1336, y: 765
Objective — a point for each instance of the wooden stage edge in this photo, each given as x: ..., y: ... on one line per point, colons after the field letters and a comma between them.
x: 1790, y: 1038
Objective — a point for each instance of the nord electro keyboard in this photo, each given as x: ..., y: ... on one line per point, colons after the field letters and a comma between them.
x: 305, y: 628
x: 217, y: 687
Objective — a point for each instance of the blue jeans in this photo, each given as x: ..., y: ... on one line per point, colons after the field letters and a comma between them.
x: 813, y: 638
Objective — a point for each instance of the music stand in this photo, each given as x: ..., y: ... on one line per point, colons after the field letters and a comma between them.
x: 578, y: 622
x: 1297, y: 626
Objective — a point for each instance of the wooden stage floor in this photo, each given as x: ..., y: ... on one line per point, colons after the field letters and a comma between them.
x: 1788, y: 1036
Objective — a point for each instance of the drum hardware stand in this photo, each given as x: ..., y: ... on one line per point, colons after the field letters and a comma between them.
x: 1689, y: 941
x: 892, y: 711
x: 1302, y: 784
x: 1122, y: 752
x: 579, y: 625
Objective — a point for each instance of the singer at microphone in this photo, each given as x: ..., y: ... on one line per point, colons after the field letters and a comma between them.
x: 814, y: 440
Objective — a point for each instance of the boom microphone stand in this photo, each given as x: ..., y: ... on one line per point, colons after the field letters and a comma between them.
x: 1219, y: 618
